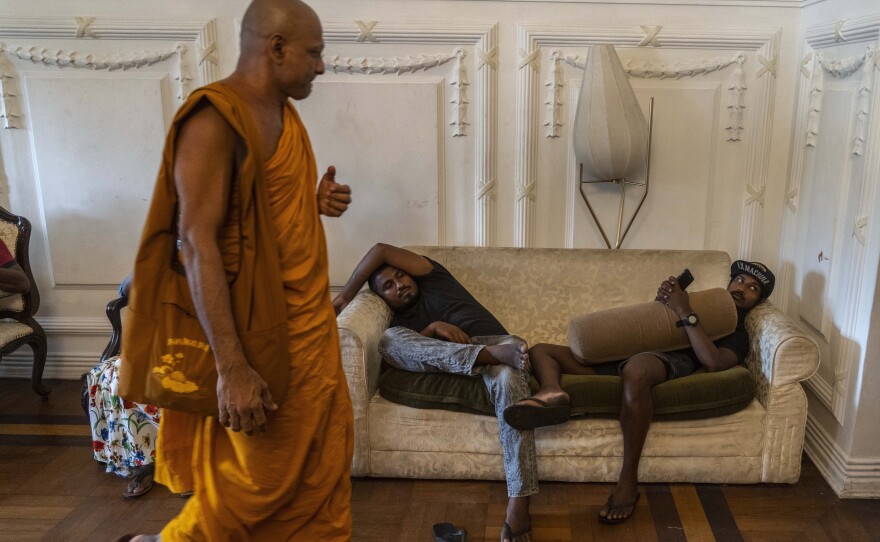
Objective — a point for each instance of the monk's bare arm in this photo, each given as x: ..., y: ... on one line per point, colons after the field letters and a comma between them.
x: 381, y: 254
x: 203, y: 171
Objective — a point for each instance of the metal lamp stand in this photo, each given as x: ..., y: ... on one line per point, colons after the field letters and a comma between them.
x: 623, y: 183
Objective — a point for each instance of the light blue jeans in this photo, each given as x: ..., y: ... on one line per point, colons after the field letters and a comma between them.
x: 410, y: 350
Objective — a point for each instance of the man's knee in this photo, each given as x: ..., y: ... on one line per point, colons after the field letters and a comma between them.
x: 391, y: 338
x: 643, y: 371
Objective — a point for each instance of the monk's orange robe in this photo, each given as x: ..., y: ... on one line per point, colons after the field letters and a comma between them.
x: 291, y: 482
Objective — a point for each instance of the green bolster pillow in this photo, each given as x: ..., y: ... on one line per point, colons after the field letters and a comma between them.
x: 620, y: 333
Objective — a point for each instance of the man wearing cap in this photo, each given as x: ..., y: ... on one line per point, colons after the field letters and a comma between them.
x: 750, y: 283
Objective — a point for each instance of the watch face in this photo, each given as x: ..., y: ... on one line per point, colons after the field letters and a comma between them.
x: 692, y: 319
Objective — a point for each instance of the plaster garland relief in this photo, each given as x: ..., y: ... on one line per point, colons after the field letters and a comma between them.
x: 868, y: 64
x: 72, y: 59
x: 736, y: 85
x: 860, y: 229
x: 412, y: 64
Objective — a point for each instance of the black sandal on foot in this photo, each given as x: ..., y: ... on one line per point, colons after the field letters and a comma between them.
x: 525, y: 416
x: 138, y: 486
x: 447, y: 532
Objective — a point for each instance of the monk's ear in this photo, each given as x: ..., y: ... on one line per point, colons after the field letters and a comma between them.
x: 276, y: 47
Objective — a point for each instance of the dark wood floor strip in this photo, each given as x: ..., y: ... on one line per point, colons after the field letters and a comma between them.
x: 718, y: 513
x: 52, y: 419
x: 45, y: 440
x: 666, y: 521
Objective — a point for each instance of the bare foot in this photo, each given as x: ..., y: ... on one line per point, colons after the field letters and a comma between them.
x: 518, y: 523
x: 622, y: 500
x: 514, y: 355
x: 146, y: 538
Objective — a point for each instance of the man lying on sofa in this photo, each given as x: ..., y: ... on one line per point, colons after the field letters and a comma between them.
x: 750, y: 283
x: 438, y: 326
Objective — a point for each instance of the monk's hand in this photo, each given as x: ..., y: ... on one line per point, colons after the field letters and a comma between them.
x: 451, y: 333
x: 243, y: 398
x: 670, y: 294
x: 333, y: 198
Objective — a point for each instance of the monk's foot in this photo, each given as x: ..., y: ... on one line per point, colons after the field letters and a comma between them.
x: 518, y: 523
x: 621, y: 503
x: 140, y: 538
x: 514, y: 355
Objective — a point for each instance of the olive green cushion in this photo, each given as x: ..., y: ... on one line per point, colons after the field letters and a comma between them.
x: 700, y: 395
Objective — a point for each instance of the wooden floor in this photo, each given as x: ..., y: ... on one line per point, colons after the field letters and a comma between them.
x: 52, y: 489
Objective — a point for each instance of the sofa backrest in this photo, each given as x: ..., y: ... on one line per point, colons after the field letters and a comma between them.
x: 534, y: 292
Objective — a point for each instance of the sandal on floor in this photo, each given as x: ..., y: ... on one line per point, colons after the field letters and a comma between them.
x: 614, y: 507
x: 447, y: 532
x: 525, y: 416
x: 508, y: 534
x: 142, y: 482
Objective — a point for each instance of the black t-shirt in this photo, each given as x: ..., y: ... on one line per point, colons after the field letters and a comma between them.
x: 444, y: 299
x: 737, y: 342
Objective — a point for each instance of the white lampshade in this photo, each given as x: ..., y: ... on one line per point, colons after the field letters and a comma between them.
x: 610, y: 134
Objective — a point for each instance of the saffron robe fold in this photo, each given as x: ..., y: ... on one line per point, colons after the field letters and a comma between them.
x: 292, y: 481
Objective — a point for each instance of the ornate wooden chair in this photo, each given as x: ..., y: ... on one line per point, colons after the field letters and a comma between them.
x: 17, y: 324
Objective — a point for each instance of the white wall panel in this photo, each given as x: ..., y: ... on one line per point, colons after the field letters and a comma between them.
x: 386, y: 140
x: 94, y: 167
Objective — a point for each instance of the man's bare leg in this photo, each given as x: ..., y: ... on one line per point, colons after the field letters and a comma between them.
x: 549, y: 362
x: 639, y: 375
x: 514, y: 355
x: 518, y: 518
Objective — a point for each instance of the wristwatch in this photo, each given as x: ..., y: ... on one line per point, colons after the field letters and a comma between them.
x: 690, y: 320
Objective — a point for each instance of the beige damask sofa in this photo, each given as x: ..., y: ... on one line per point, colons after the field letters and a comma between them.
x: 534, y: 292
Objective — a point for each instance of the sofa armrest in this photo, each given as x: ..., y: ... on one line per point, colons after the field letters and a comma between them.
x: 781, y: 355
x: 361, y: 326
x: 781, y: 352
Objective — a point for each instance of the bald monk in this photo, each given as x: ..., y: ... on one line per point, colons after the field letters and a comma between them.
x: 265, y: 469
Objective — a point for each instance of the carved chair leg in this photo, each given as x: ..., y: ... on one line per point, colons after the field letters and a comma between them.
x: 40, y: 348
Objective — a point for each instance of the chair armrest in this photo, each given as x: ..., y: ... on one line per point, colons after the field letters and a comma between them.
x: 361, y: 326
x: 114, y: 314
x: 780, y: 351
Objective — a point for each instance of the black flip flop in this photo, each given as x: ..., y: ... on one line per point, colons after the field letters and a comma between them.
x: 138, y: 482
x: 447, y: 532
x: 524, y: 416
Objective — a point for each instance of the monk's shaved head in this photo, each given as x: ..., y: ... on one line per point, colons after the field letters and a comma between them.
x: 264, y: 18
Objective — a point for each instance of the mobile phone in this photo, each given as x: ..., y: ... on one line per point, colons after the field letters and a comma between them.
x: 685, y: 279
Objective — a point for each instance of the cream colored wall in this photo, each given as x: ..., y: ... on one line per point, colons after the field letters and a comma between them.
x: 830, y: 245
x: 456, y: 134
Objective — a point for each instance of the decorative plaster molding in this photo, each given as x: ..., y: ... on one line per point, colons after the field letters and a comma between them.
x: 814, y: 111
x: 805, y: 71
x: 860, y: 229
x: 532, y: 59
x: 182, y: 76
x: 756, y: 195
x: 859, y: 29
x: 864, y: 103
x: 847, y: 476
x: 768, y: 65
x: 9, y: 110
x: 386, y: 66
x: 841, y: 68
x: 459, y: 99
x: 555, y: 83
x: 736, y: 86
x: 82, y: 27
x: 791, y: 200
x: 488, y: 58
x: 650, y: 39
x: 366, y: 31
x: 159, y: 29
x: 483, y: 37
x: 838, y: 31
x: 63, y: 59
x: 533, y: 38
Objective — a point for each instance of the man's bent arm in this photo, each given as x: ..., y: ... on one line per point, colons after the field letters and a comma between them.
x: 381, y: 254
x: 710, y: 356
x: 203, y: 172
